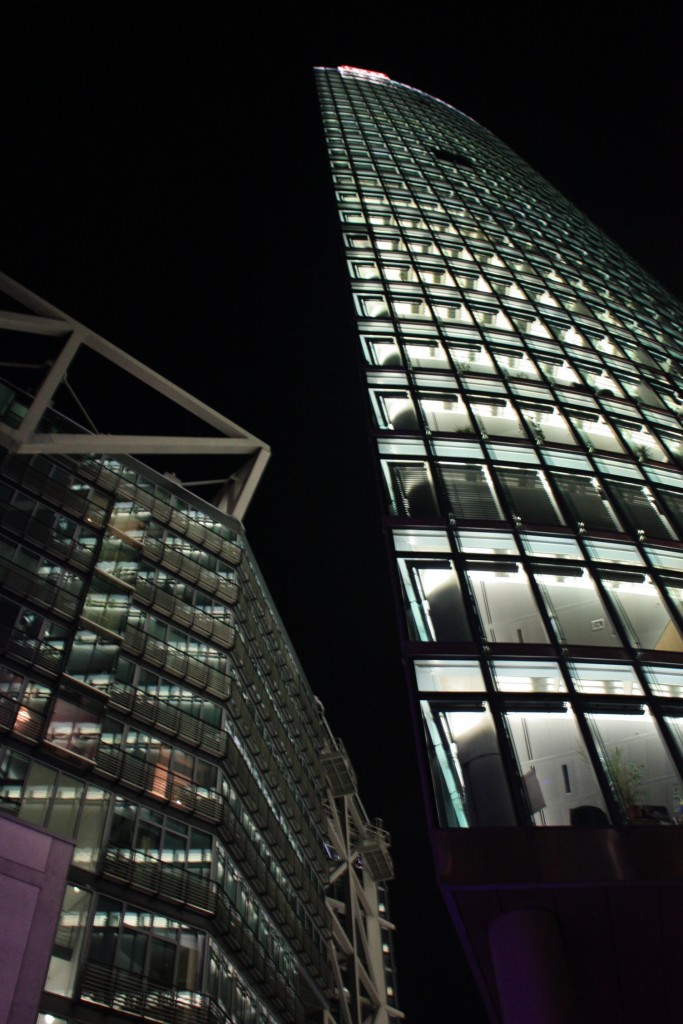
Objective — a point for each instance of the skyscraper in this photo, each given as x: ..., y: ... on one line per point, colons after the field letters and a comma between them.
x: 525, y: 386
x: 210, y: 858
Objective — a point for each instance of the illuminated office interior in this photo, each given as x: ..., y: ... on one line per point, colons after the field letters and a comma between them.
x: 525, y: 389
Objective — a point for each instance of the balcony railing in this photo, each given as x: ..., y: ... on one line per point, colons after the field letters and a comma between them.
x: 133, y: 994
x: 153, y: 711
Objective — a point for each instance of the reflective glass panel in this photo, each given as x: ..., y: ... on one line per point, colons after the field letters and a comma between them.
x: 559, y: 781
x: 486, y: 542
x: 596, y: 677
x: 433, y: 600
x: 421, y: 540
x: 448, y: 676
x: 505, y: 602
x: 576, y: 609
x: 470, y: 786
x: 642, y: 611
x: 664, y: 681
x: 638, y: 766
x: 528, y: 677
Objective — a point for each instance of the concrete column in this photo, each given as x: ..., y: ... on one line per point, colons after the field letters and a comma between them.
x: 531, y: 970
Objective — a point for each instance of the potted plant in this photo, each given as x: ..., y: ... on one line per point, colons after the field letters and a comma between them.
x: 627, y: 780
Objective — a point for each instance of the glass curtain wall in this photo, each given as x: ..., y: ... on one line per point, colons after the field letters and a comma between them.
x: 525, y: 386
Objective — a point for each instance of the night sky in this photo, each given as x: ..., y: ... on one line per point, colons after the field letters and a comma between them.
x: 164, y: 181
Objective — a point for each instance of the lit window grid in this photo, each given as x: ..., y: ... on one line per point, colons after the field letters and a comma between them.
x: 604, y: 326
x: 495, y: 187
x: 61, y: 590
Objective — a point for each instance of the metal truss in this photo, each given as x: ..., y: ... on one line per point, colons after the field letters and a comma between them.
x: 69, y: 337
x: 361, y: 932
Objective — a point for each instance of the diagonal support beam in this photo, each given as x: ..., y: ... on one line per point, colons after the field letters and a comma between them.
x: 47, y: 389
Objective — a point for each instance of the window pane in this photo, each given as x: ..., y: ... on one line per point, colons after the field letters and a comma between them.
x: 74, y: 727
x: 664, y: 681
x: 161, y: 965
x: 498, y: 419
x: 61, y: 976
x: 529, y: 495
x: 421, y: 540
x: 642, y: 611
x: 595, y: 677
x: 506, y: 605
x: 449, y: 676
x: 544, y: 546
x: 433, y: 601
x: 67, y: 805
x: 486, y: 542
x: 38, y: 794
x: 575, y: 607
x: 638, y: 765
x: 470, y: 786
x: 91, y: 826
x: 470, y: 492
x: 13, y: 769
x: 604, y: 551
x: 411, y: 492
x: 446, y: 416
x: 559, y: 781
x: 528, y: 677
x: 586, y: 501
x: 639, y: 510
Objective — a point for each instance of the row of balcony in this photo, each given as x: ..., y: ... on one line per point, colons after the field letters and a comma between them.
x: 177, y: 885
x: 151, y: 710
x: 183, y: 614
x: 186, y: 568
x: 38, y: 654
x: 41, y: 592
x: 178, y: 664
x: 35, y: 477
x: 133, y: 994
x: 160, y: 510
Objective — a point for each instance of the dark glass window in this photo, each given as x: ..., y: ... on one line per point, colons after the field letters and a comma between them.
x: 587, y: 502
x: 529, y: 495
x: 470, y: 492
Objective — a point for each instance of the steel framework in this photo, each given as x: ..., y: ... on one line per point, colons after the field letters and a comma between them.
x: 236, y: 490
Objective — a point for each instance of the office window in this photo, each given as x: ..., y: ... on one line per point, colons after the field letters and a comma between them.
x: 529, y: 495
x: 486, y: 542
x: 433, y: 602
x: 445, y: 415
x: 611, y: 680
x: 639, y: 510
x: 642, y: 610
x: 428, y: 356
x: 394, y: 410
x: 421, y: 541
x: 497, y: 418
x: 470, y: 784
x: 65, y: 961
x: 527, y: 677
x: 559, y: 781
x: 469, y: 491
x: 75, y: 726
x: 586, y: 501
x: 637, y: 764
x: 449, y: 676
x: 410, y: 489
x: 576, y: 610
x: 595, y: 432
x: 505, y: 603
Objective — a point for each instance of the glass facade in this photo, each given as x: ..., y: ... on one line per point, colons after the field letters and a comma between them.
x: 152, y: 710
x: 525, y: 386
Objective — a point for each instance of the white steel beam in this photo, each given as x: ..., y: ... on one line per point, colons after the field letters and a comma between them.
x: 48, y: 321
